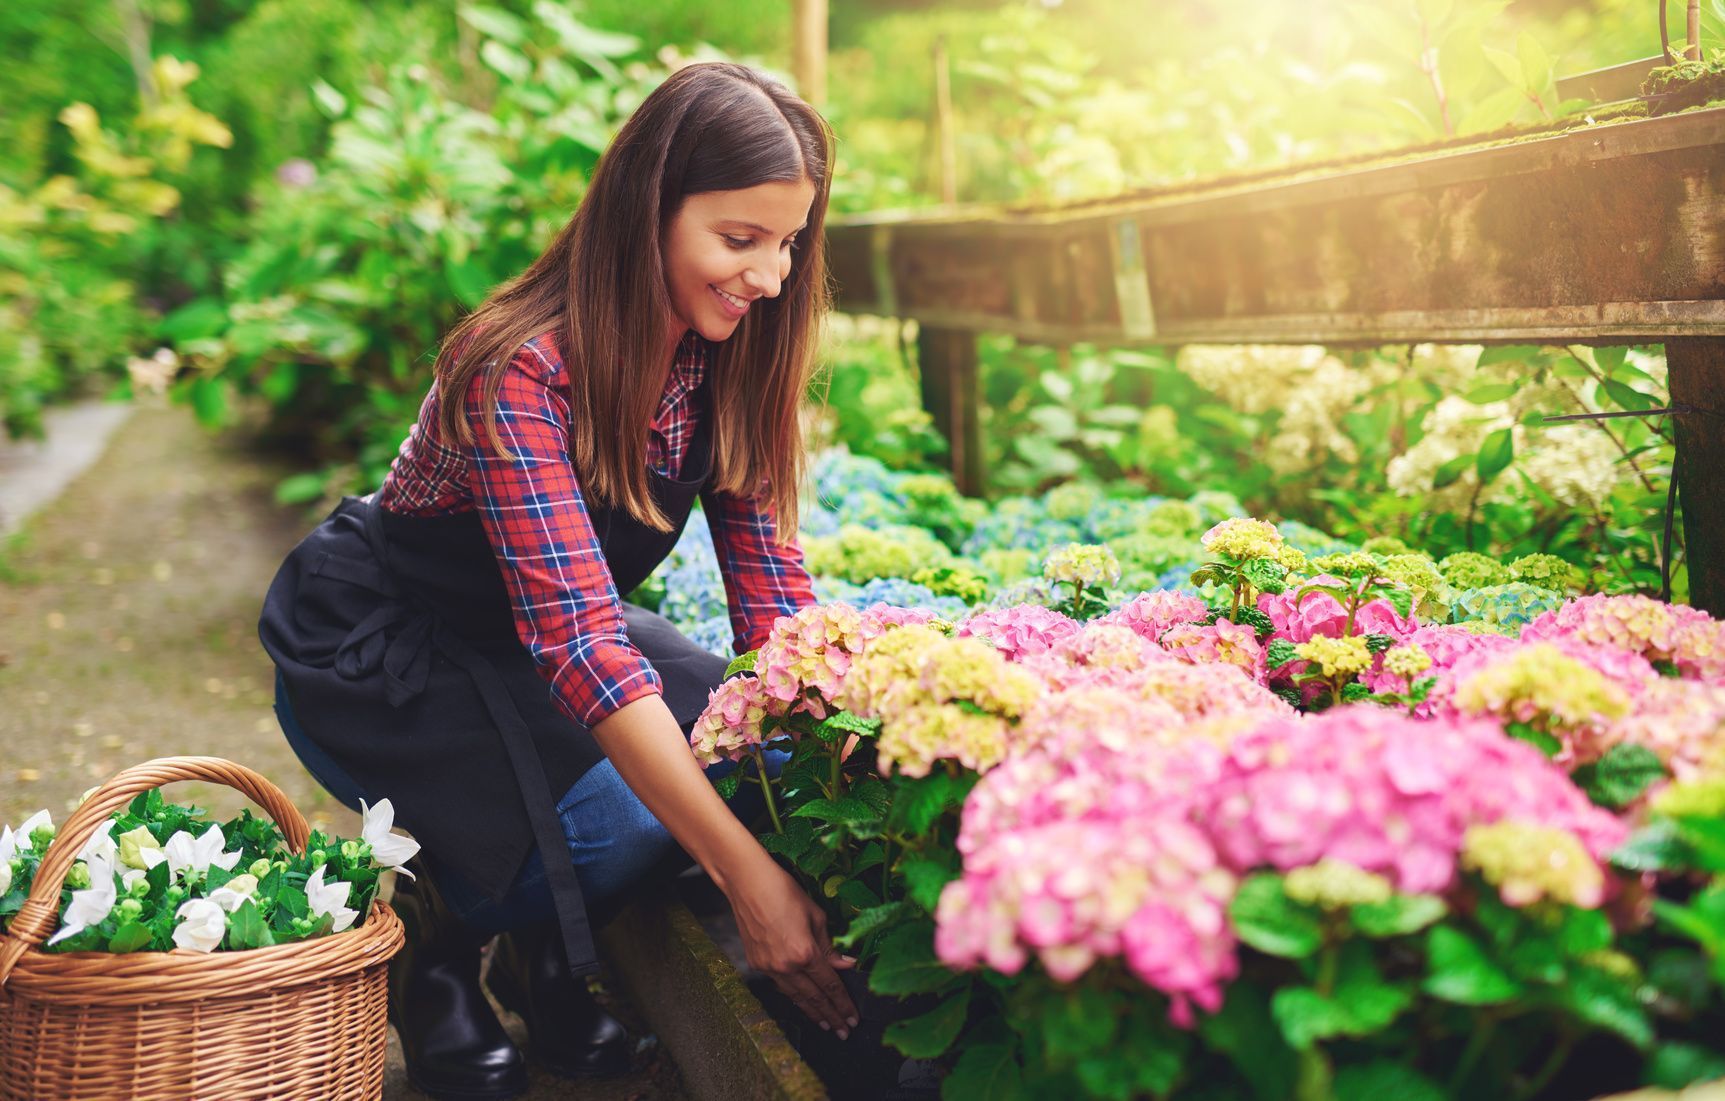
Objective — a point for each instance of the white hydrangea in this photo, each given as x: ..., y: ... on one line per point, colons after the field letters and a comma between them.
x: 1575, y: 463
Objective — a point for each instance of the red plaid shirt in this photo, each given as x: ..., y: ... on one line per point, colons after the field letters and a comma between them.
x: 566, y: 607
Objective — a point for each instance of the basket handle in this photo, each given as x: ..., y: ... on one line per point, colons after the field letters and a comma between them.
x: 40, y: 914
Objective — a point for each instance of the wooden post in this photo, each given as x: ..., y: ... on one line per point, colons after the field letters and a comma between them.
x: 943, y: 128
x: 949, y: 392
x: 1693, y: 53
x: 1698, y: 380
x: 809, y: 49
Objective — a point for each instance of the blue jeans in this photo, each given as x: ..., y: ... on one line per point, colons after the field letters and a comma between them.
x: 614, y: 840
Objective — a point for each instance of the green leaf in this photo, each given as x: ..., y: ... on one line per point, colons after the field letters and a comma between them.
x: 1675, y: 1065
x: 209, y: 397
x: 1621, y: 776
x: 1281, y: 652
x: 924, y: 879
x: 247, y: 928
x: 1461, y: 972
x: 1508, y: 65
x: 292, y: 901
x: 1401, y: 915
x: 1306, y: 1016
x: 1495, y: 453
x: 917, y: 803
x: 985, y: 1071
x: 1627, y: 397
x: 300, y: 488
x: 872, y: 920
x: 1076, y: 1022
x: 929, y: 1035
x: 727, y: 785
x: 331, y: 102
x: 848, y: 809
x: 845, y: 722
x: 1493, y: 111
x: 1265, y: 918
x: 742, y: 663
x: 1535, y: 63
x: 130, y: 937
x: 1490, y: 392
x: 199, y: 319
x: 1546, y: 743
x: 1450, y: 472
x: 1385, y: 1080
x: 1248, y: 1034
x: 1607, y: 1002
x: 907, y: 964
x: 494, y: 22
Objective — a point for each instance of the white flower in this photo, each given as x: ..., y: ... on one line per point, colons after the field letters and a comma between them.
x: 131, y: 876
x: 101, y: 845
x: 235, y: 891
x: 30, y: 826
x: 185, y: 854
x: 330, y: 899
x: 387, y: 849
x: 90, y: 905
x: 5, y: 876
x: 8, y: 845
x: 202, y: 924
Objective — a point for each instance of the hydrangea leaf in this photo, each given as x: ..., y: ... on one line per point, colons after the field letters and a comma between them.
x: 1265, y: 918
x: 907, y: 964
x: 1385, y: 1079
x: 1461, y: 972
x: 1400, y: 916
x: 1076, y: 1022
x: 1621, y: 776
x: 985, y: 1070
x: 872, y: 920
x: 930, y: 1034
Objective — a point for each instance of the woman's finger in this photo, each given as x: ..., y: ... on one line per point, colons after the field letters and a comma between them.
x: 835, y: 993
x: 815, y: 1005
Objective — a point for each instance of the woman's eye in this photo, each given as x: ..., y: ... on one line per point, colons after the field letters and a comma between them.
x: 739, y: 242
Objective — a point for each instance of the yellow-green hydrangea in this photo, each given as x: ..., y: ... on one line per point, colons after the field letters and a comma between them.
x: 1007, y: 565
x: 1337, y: 657
x: 1242, y: 538
x: 1386, y: 546
x: 1528, y: 862
x: 1419, y: 575
x: 1700, y: 797
x: 1173, y: 518
x: 1082, y: 564
x: 1348, y: 564
x: 1548, y: 571
x: 1545, y: 688
x: 1470, y: 570
x: 1333, y: 884
x: 1407, y: 660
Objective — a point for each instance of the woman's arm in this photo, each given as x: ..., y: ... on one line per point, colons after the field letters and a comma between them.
x: 784, y: 932
x: 763, y: 580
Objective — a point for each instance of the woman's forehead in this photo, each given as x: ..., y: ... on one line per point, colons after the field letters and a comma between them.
x: 777, y: 207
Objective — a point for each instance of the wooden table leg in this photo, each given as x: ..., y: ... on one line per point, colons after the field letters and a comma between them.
x: 1698, y: 380
x: 949, y: 392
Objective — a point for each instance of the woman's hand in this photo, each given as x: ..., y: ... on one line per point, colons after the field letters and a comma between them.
x: 785, y: 937
x: 784, y: 932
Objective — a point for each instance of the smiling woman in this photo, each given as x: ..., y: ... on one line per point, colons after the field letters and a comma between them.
x: 654, y: 354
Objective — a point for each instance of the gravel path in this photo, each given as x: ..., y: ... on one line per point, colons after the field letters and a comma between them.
x: 128, y: 630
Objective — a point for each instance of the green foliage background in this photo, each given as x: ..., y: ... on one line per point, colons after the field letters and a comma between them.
x: 387, y: 162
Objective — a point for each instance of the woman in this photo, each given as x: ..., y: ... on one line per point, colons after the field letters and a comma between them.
x: 457, y: 644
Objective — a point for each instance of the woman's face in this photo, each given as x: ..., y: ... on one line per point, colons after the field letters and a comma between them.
x: 726, y: 249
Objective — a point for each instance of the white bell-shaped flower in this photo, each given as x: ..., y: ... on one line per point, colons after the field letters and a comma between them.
x: 90, y: 905
x: 186, y: 854
x: 388, y: 850
x: 235, y: 891
x: 202, y: 924
x: 330, y: 899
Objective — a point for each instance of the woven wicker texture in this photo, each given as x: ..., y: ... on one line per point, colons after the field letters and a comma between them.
x: 304, y: 1020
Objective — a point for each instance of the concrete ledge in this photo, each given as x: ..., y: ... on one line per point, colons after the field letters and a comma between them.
x: 725, y: 1044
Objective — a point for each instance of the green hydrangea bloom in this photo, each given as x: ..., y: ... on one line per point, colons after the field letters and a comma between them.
x: 1548, y: 571
x: 1385, y: 545
x: 1173, y: 518
x: 1468, y: 570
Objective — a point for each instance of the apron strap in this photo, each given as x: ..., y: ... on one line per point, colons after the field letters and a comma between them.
x: 530, y: 777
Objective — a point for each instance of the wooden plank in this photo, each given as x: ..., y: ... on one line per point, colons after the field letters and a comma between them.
x: 1615, y: 82
x: 1600, y: 235
x: 1698, y: 381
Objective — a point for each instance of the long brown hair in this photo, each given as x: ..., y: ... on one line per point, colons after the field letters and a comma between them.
x: 601, y: 285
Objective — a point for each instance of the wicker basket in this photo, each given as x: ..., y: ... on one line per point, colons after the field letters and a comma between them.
x: 303, y: 1020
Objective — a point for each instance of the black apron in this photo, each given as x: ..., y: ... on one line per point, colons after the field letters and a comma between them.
x: 395, y: 638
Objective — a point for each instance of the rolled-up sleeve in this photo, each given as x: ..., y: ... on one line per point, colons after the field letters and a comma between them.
x: 566, y: 608
x: 763, y: 580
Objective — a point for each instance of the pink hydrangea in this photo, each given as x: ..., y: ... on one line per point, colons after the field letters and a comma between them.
x: 1319, y: 613
x: 1687, y: 637
x: 732, y: 725
x: 1021, y: 630
x: 1387, y: 794
x: 1446, y: 645
x: 807, y: 656
x: 1150, y: 614
x: 1683, y: 721
x: 1222, y: 641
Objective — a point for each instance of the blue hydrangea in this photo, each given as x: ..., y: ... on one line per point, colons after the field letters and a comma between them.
x: 834, y: 590
x: 1514, y: 605
x: 818, y: 521
x: 908, y: 594
x: 713, y: 635
x: 1114, y: 517
x: 1033, y: 591
x: 694, y: 592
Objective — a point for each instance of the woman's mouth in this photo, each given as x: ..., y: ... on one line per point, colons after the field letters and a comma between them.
x: 733, y: 306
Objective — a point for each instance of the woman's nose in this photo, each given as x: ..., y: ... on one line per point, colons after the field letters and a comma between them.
x: 764, y: 279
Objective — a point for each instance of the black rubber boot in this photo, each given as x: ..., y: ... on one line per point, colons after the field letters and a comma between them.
x: 456, y: 1049
x: 567, y: 1030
